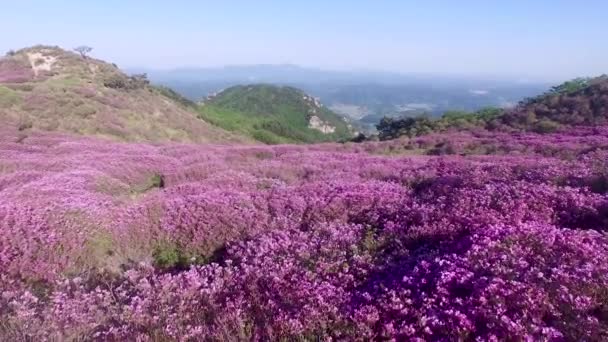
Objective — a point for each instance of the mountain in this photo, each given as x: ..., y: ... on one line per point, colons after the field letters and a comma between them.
x: 359, y: 93
x: 47, y: 88
x: 274, y: 114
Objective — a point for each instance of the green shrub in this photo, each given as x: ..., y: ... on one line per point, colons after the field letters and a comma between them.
x: 169, y: 257
x: 122, y: 82
x: 266, y: 137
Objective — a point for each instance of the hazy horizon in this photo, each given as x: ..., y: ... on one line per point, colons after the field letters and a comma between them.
x: 540, y: 41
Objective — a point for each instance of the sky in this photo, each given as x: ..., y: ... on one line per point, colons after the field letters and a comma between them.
x: 532, y: 39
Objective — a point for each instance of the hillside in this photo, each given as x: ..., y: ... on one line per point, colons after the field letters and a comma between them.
x: 47, y: 88
x: 273, y: 114
x: 580, y: 102
x: 106, y: 241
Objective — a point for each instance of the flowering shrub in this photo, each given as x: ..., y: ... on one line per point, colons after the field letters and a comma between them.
x: 502, y: 238
x: 15, y: 71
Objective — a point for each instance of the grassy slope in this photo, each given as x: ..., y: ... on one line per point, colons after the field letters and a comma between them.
x: 271, y: 114
x: 73, y: 97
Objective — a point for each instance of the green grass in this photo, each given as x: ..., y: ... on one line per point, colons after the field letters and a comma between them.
x: 238, y: 122
x: 269, y: 114
x: 8, y: 97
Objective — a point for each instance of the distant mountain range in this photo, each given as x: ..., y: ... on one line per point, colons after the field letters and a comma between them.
x: 359, y: 93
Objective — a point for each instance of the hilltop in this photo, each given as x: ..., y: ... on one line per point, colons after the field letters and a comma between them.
x: 48, y: 88
x: 274, y: 114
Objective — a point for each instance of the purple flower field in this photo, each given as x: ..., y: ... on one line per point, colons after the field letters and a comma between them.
x: 495, y: 237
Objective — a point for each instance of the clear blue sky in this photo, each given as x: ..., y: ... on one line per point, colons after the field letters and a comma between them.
x: 548, y: 39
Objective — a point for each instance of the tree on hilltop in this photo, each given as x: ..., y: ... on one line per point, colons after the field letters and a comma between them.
x: 83, y: 50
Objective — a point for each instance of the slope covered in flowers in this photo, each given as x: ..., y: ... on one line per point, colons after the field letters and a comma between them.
x: 503, y: 237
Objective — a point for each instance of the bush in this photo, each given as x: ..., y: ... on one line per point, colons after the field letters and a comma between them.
x: 265, y: 137
x: 598, y: 184
x: 279, y: 128
x: 116, y: 82
x: 390, y: 128
x: 24, y: 124
x: 169, y: 257
x: 359, y: 138
x: 546, y: 126
x: 122, y: 82
x: 156, y: 181
x: 442, y: 148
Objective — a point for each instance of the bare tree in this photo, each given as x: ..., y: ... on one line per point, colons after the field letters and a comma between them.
x: 83, y: 50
